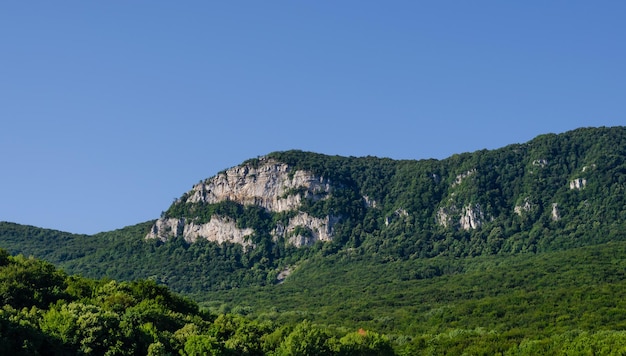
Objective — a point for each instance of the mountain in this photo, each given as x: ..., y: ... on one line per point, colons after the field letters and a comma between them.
x: 254, y: 222
x: 518, y: 250
x: 500, y: 201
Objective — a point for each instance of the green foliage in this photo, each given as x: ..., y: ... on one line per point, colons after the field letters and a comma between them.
x: 365, y: 343
x: 385, y: 207
x: 86, y: 328
x: 200, y: 345
x: 19, y: 332
x: 307, y: 339
x: 29, y: 282
x: 489, y: 303
x: 542, y: 273
x: 128, y: 318
x: 554, y: 303
x: 106, y: 317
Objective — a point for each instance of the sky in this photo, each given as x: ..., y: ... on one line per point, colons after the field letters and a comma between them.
x: 109, y: 110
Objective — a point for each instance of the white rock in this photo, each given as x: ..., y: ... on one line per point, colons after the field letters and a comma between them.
x: 472, y: 217
x: 321, y: 229
x: 272, y: 185
x: 556, y: 216
x: 527, y: 206
x: 218, y: 229
x: 578, y: 183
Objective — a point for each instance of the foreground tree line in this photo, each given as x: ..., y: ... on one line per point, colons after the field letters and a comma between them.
x: 47, y: 312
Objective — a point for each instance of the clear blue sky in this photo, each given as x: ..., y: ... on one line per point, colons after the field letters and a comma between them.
x: 111, y: 109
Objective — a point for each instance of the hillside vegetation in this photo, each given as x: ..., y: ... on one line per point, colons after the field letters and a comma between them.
x: 46, y: 312
x: 552, y: 193
x: 514, y: 251
x: 557, y: 303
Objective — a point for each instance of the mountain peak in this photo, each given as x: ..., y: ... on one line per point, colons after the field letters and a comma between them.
x: 266, y: 184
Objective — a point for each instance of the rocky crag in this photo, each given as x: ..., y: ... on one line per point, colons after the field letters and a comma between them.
x: 273, y: 186
x: 301, y: 198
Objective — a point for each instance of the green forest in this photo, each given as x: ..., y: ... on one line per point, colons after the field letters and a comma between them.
x: 541, y: 272
x: 47, y: 312
x: 560, y: 303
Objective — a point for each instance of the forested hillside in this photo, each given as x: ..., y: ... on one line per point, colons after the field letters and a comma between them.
x: 557, y: 303
x: 46, y: 312
x: 552, y: 193
x: 517, y: 251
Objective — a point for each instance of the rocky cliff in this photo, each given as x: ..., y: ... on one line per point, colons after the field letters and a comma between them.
x: 266, y: 183
x: 552, y: 193
x: 299, y: 198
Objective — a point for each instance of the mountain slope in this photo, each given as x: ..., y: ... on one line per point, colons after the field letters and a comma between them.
x: 564, y: 302
x: 554, y: 182
x: 531, y: 295
x: 251, y: 222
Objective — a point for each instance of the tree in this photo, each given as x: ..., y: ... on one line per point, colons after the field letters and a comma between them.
x: 200, y: 345
x: 365, y: 343
x: 85, y: 328
x: 307, y: 339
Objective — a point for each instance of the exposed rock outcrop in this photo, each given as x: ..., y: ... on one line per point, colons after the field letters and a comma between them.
x: 304, y: 229
x: 163, y: 229
x: 471, y: 217
x: 444, y: 215
x: 525, y: 207
x: 556, y: 215
x: 286, y: 272
x: 396, y: 214
x: 218, y: 229
x: 370, y: 203
x: 459, y: 178
x: 578, y: 183
x: 586, y: 168
x: 271, y: 185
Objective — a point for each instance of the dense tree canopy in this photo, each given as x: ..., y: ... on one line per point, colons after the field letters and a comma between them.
x: 542, y: 272
x: 522, y: 195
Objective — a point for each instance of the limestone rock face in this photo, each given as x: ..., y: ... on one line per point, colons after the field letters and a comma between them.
x: 396, y: 214
x: 444, y: 217
x: 578, y: 183
x: 218, y: 229
x: 457, y: 212
x: 272, y: 185
x: 316, y: 229
x: 525, y: 207
x: 470, y: 217
x: 459, y: 178
x: 163, y: 229
x: 556, y: 215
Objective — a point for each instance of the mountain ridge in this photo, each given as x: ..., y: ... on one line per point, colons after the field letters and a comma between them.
x: 557, y: 191
x: 465, y: 195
